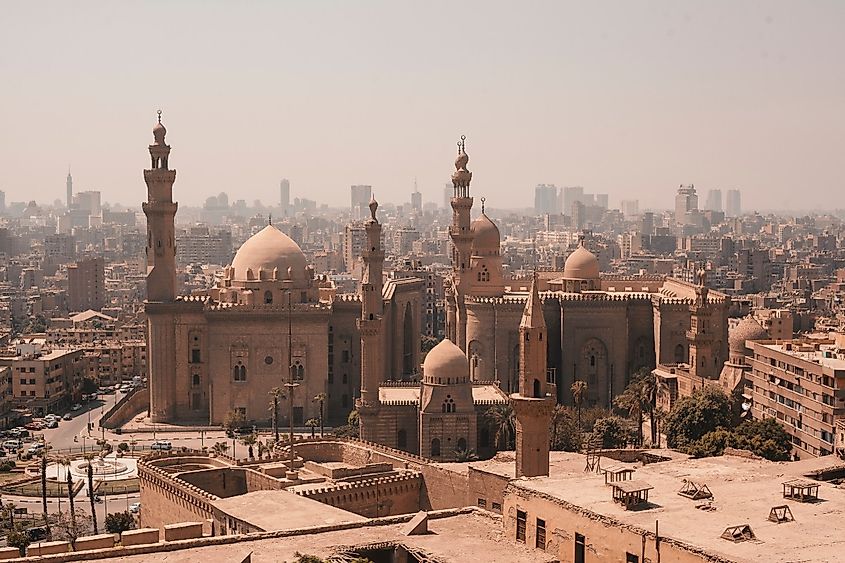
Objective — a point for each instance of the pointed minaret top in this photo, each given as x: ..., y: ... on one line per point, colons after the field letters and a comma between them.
x: 532, y: 316
x: 159, y: 131
x: 373, y: 207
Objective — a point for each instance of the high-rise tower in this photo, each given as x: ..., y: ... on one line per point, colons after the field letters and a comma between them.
x: 69, y: 186
x: 461, y: 236
x: 536, y: 398
x: 370, y: 326
x: 160, y: 210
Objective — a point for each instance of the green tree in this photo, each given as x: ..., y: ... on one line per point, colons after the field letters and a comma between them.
x: 119, y: 522
x: 579, y: 392
x: 220, y: 448
x: 766, y: 438
x: 563, y: 430
x: 249, y: 441
x: 503, y: 423
x: 233, y: 420
x: 652, y: 387
x: 74, y: 529
x: 352, y: 428
x: 612, y: 431
x: 634, y: 402
x: 19, y: 539
x: 44, y: 486
x: 692, y: 417
x: 276, y: 393
x: 465, y: 455
x: 321, y: 398
x: 312, y: 423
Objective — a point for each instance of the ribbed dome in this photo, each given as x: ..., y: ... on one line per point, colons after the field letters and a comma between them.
x: 581, y: 265
x: 269, y: 249
x: 747, y: 329
x: 446, y: 360
x: 486, y: 238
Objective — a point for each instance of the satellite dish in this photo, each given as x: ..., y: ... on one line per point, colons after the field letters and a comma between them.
x: 746, y: 406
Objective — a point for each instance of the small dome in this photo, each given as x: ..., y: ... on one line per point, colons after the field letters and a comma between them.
x: 581, y: 265
x: 159, y: 131
x: 269, y: 249
x: 747, y: 329
x: 446, y: 361
x: 486, y: 237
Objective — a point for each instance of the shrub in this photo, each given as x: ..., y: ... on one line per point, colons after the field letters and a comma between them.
x: 119, y: 522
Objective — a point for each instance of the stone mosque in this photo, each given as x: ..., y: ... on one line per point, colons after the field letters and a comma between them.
x: 270, y: 320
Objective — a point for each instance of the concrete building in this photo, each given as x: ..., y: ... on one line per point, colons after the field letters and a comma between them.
x: 200, y: 245
x: 733, y: 204
x: 87, y: 284
x: 361, y: 196
x: 546, y: 199
x: 714, y: 200
x: 802, y: 384
x: 686, y: 201
x: 46, y: 381
x: 284, y: 195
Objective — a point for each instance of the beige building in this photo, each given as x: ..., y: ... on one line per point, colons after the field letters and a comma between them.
x: 269, y: 321
x: 46, y: 381
x: 86, y: 285
x: 802, y: 384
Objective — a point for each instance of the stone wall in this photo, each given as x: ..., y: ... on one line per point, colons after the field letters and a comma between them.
x: 374, y: 497
x: 167, y: 499
x: 127, y: 407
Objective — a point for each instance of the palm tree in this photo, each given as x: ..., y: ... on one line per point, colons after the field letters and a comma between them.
x: 249, y: 441
x: 465, y: 455
x: 633, y: 401
x: 261, y: 449
x: 320, y: 398
x: 219, y: 448
x: 501, y: 418
x: 90, y: 459
x: 558, y: 415
x: 276, y: 393
x: 652, y: 387
x: 44, y: 487
x: 66, y: 462
x: 579, y: 391
x: 312, y: 423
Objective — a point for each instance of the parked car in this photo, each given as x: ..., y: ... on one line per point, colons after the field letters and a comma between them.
x: 135, y: 507
x: 52, y: 423
x: 163, y: 445
x: 36, y: 448
x: 76, y: 407
x: 12, y: 445
x: 67, y: 417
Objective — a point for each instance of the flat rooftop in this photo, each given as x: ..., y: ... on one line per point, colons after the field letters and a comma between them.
x: 826, y: 355
x: 459, y: 538
x: 283, y: 510
x: 744, y: 491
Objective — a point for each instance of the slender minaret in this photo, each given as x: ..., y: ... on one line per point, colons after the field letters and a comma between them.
x: 160, y: 210
x: 534, y: 403
x: 461, y: 236
x: 69, y: 186
x: 703, y: 359
x: 370, y: 327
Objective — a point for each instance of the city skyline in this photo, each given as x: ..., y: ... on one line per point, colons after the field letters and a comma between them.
x: 620, y: 99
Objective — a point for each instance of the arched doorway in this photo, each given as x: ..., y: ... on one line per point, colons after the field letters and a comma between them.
x: 435, y: 447
x: 595, y: 371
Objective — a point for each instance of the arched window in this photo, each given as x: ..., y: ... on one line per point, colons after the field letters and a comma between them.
x: 592, y: 361
x: 402, y: 439
x: 537, y: 394
x: 239, y: 371
x: 300, y: 372
x: 435, y: 447
x: 462, y: 445
x: 268, y: 297
x: 679, y: 354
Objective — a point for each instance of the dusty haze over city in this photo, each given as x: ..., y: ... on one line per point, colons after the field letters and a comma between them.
x: 626, y: 98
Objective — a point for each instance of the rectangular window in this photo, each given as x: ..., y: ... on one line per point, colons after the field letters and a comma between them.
x: 631, y: 558
x: 541, y: 534
x: 331, y: 377
x: 297, y: 415
x: 23, y: 381
x: 196, y: 380
x: 521, y: 518
x: 482, y: 503
x: 345, y: 356
x: 497, y: 506
x: 32, y: 382
x: 195, y: 356
x: 580, y: 548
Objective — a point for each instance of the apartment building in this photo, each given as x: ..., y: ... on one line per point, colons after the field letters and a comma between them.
x: 801, y: 383
x: 45, y: 381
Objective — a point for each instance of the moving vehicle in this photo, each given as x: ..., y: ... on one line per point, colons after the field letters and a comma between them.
x: 52, y: 423
x: 76, y: 407
x: 12, y: 445
x: 162, y: 445
x: 135, y: 507
x: 67, y: 417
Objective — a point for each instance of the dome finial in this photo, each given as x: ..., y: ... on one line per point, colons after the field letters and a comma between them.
x: 270, y: 219
x: 483, y: 199
x: 159, y: 115
x: 158, y: 130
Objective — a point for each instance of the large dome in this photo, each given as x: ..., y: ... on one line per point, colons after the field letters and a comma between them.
x: 581, y: 265
x: 446, y: 361
x: 486, y: 239
x: 268, y: 250
x: 747, y: 329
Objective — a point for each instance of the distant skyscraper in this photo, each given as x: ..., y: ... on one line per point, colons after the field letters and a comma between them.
x: 361, y: 196
x: 416, y: 199
x: 448, y: 190
x: 630, y: 207
x: 714, y: 200
x: 601, y: 200
x: 578, y: 215
x: 2, y: 201
x: 685, y: 200
x: 733, y: 205
x: 545, y: 199
x: 570, y: 196
x: 284, y: 195
x: 69, y: 185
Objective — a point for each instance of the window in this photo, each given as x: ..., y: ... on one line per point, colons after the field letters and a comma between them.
x: 631, y: 558
x: 196, y: 380
x: 482, y: 503
x: 344, y: 356
x: 241, y: 410
x: 402, y: 439
x: 462, y: 444
x: 268, y: 297
x: 268, y: 360
x: 541, y: 534
x: 592, y: 361
x: 345, y: 379
x: 435, y: 447
x: 521, y: 517
x: 195, y: 356
x: 580, y: 545
x: 331, y: 377
x: 239, y: 371
x: 497, y: 506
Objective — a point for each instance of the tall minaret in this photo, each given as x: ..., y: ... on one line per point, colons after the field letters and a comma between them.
x: 69, y: 185
x: 703, y: 359
x: 534, y: 403
x: 461, y: 236
x: 370, y: 327
x: 160, y: 210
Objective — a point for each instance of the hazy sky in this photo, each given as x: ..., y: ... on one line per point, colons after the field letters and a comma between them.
x: 630, y: 98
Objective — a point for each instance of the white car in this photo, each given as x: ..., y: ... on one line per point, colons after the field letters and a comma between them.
x: 76, y: 407
x: 135, y: 507
x: 36, y: 448
x: 12, y: 445
x: 163, y: 445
